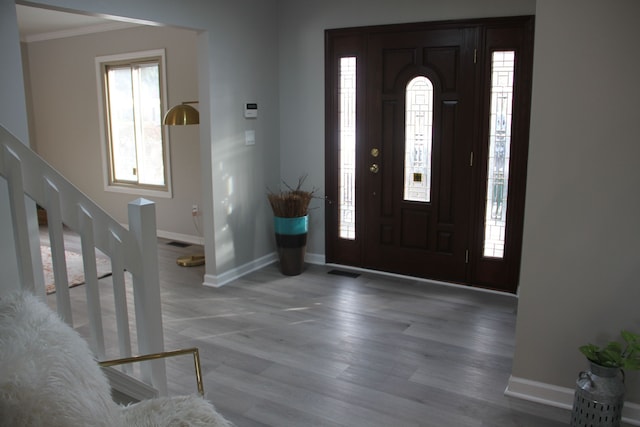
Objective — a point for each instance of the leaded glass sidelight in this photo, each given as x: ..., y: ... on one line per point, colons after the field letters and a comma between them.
x: 502, y: 75
x: 418, y: 139
x: 347, y: 135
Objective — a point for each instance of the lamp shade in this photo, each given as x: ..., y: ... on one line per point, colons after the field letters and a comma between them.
x: 182, y: 114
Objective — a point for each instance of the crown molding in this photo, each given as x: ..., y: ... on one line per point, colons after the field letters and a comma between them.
x: 81, y: 31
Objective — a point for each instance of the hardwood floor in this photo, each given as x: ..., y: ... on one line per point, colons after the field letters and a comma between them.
x: 322, y: 349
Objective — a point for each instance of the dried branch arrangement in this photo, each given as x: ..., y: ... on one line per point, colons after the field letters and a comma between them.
x: 292, y: 203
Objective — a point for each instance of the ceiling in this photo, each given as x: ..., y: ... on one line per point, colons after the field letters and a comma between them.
x: 36, y: 24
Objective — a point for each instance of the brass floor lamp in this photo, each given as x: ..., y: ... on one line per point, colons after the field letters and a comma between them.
x: 180, y: 115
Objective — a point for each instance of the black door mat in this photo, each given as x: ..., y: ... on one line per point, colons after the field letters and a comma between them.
x: 344, y: 273
x: 179, y: 244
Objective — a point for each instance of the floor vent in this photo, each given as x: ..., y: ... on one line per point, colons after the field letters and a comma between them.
x: 344, y: 273
x: 179, y: 244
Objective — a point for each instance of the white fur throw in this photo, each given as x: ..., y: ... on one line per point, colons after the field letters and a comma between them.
x: 180, y: 411
x: 48, y: 377
x: 47, y: 374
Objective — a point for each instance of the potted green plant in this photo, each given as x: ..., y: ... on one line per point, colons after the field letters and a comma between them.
x: 291, y: 225
x: 600, y: 390
x: 615, y: 354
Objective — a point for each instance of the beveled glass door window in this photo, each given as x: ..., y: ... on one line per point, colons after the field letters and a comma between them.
x: 418, y: 139
x: 502, y: 75
x: 347, y: 134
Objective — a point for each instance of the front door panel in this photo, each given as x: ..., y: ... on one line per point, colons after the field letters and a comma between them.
x: 426, y: 235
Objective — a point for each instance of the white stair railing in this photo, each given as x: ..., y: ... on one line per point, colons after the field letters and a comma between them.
x: 133, y: 251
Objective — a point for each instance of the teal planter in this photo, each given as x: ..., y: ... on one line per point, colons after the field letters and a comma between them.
x: 291, y: 240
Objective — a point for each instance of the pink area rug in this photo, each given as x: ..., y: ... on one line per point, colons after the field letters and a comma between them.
x: 75, y: 269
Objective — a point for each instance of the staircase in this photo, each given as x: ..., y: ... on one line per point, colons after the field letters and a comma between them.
x: 132, y: 252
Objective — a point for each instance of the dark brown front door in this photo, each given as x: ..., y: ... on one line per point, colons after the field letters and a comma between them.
x: 416, y: 185
x: 412, y: 199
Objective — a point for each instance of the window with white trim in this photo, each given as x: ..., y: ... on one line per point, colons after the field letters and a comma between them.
x: 135, y: 144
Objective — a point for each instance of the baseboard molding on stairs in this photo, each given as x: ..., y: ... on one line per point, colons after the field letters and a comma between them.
x: 126, y: 389
x: 559, y: 397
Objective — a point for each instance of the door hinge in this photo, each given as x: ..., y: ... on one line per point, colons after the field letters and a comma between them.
x: 471, y: 159
x: 466, y: 256
x: 475, y: 56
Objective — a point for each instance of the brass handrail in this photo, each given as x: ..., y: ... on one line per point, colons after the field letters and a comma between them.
x: 162, y: 355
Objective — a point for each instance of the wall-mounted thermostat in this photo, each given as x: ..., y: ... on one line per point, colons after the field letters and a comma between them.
x: 250, y: 110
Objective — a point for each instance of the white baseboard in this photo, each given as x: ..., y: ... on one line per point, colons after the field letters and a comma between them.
x: 187, y: 238
x: 170, y: 235
x: 417, y: 279
x: 216, y: 281
x: 315, y: 259
x: 559, y: 397
x: 534, y: 391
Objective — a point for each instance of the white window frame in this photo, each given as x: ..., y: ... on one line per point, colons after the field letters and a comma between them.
x: 131, y: 188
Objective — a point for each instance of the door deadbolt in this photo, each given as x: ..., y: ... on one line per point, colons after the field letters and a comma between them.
x: 375, y: 152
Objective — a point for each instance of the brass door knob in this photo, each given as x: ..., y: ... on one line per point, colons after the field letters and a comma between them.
x: 374, y: 168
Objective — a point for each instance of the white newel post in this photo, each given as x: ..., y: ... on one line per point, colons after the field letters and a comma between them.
x: 146, y: 288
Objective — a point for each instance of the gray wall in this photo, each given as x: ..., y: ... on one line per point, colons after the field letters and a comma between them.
x: 581, y: 258
x: 65, y: 119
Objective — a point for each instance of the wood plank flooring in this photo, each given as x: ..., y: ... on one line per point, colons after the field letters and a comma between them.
x: 321, y: 349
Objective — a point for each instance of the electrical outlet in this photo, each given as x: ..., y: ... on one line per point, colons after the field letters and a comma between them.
x: 194, y: 210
